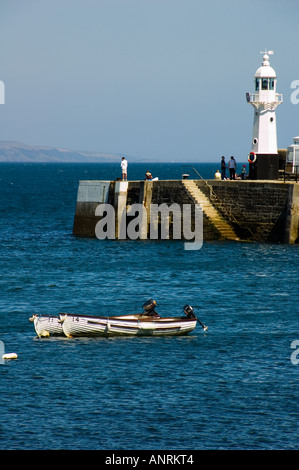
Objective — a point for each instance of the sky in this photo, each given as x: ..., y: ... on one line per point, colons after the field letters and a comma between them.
x: 158, y: 80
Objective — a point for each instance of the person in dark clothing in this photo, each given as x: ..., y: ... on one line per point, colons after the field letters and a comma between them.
x: 223, y: 168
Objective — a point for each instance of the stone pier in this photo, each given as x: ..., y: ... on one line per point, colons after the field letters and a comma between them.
x: 263, y: 211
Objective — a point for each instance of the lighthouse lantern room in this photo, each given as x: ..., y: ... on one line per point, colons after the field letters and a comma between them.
x: 263, y: 157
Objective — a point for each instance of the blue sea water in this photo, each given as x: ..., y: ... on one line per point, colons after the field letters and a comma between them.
x: 234, y: 387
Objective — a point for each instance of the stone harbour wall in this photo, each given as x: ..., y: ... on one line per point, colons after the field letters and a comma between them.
x: 263, y: 211
x: 265, y: 208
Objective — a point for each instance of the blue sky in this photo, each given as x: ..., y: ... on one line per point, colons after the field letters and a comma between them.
x: 161, y: 80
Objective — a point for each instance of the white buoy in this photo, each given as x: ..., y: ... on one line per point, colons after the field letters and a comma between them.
x: 44, y: 334
x: 10, y: 356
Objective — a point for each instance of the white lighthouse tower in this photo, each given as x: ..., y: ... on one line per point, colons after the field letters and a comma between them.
x: 263, y: 156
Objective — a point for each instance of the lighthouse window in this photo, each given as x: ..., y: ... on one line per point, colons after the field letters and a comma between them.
x: 257, y: 84
x: 265, y: 84
x: 271, y: 84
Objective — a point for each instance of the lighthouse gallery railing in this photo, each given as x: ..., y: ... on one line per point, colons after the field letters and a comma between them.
x: 254, y: 98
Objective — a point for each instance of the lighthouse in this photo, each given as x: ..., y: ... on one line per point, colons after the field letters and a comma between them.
x: 263, y: 157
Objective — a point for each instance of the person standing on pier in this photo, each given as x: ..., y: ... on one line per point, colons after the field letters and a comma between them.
x: 243, y: 172
x: 124, y: 166
x: 232, y: 168
x: 223, y: 168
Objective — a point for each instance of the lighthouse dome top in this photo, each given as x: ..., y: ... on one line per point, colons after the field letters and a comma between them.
x: 265, y: 70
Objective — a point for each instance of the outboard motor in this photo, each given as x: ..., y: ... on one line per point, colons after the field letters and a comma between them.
x: 188, y: 310
x: 149, y: 308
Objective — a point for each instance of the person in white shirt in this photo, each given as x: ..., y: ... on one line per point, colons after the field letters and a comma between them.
x: 124, y: 166
x: 217, y: 175
x: 232, y: 168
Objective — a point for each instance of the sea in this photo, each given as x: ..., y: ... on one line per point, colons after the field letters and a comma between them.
x: 233, y: 387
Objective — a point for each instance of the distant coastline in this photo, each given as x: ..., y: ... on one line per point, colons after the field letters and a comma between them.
x: 20, y: 152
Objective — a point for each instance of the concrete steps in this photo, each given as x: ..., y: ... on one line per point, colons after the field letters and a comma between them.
x: 223, y: 227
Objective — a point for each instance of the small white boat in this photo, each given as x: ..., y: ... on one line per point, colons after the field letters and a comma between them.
x: 47, y: 325
x: 140, y: 325
x: 148, y: 323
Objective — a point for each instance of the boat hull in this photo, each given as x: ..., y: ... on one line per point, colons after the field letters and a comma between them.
x: 125, y: 325
x: 47, y: 325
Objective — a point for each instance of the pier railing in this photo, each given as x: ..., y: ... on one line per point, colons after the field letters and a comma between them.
x: 288, y: 175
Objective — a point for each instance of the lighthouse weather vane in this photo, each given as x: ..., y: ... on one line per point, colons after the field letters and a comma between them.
x: 267, y: 52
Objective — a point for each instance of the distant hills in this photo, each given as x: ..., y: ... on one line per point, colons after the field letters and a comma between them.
x: 20, y: 152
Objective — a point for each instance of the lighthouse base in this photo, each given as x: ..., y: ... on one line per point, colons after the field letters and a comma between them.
x: 265, y: 167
